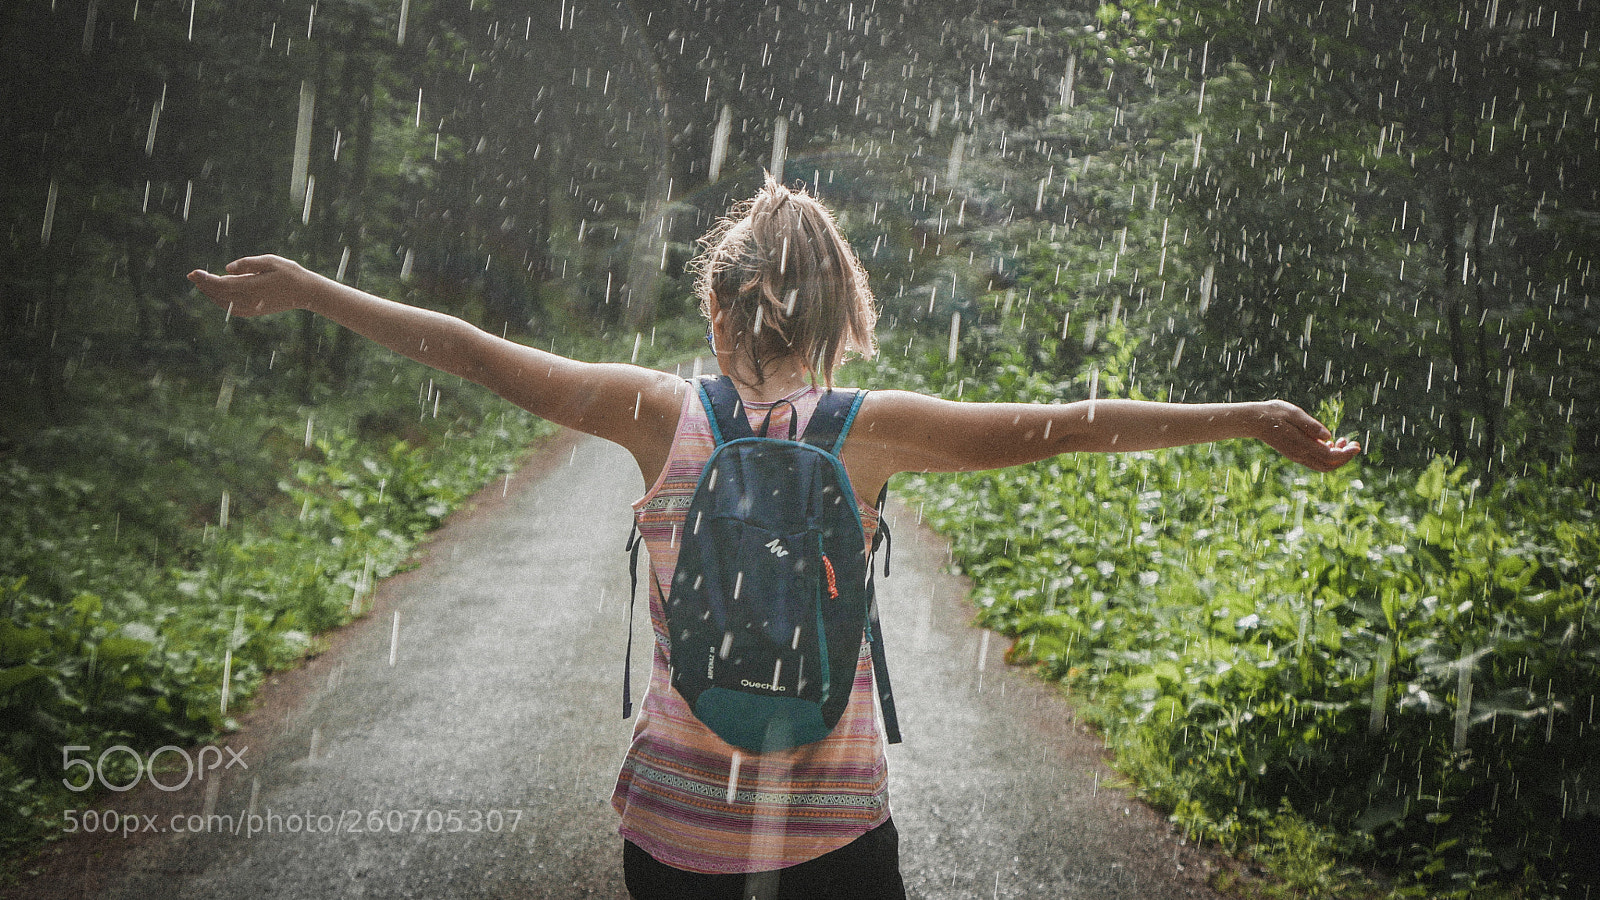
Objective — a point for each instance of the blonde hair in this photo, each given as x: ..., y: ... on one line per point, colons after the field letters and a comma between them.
x: 779, y: 265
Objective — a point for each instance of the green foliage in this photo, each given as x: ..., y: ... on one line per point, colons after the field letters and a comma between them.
x: 1297, y: 200
x: 1378, y: 203
x: 147, y: 551
x: 1266, y: 208
x: 1406, y: 661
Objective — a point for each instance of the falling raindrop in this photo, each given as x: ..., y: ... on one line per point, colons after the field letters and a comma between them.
x: 958, y: 150
x: 719, y: 141
x: 394, y: 638
x: 1463, y: 699
x: 299, y: 178
x: 49, y: 214
x: 1094, y: 388
x: 780, y: 140
x: 1380, y: 692
x: 305, y: 212
x: 733, y: 777
x: 227, y: 678
x: 88, y: 27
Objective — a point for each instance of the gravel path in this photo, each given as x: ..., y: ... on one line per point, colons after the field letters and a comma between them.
x: 488, y: 682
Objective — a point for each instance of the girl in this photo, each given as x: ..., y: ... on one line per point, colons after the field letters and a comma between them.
x: 787, y: 301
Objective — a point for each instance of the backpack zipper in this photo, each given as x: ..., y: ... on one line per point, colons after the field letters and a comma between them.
x: 833, y: 582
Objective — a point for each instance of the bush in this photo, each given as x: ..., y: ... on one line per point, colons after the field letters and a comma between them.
x: 1403, y: 660
x: 162, y: 543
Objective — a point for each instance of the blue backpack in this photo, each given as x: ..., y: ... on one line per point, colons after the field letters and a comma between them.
x: 773, y: 588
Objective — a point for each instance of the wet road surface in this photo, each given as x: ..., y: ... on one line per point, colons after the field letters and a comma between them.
x: 463, y: 739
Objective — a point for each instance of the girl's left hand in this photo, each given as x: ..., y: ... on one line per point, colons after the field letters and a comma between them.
x: 259, y: 285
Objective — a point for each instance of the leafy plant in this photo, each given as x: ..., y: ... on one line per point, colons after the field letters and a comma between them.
x: 1382, y: 668
x: 121, y: 615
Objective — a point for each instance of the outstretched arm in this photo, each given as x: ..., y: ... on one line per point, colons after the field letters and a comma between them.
x: 631, y: 405
x: 901, y: 431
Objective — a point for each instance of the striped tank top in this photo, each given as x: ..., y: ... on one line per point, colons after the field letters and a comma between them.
x: 697, y: 803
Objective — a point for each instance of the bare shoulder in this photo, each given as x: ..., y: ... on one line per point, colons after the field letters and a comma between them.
x: 637, y: 398
x: 628, y: 404
x: 648, y: 385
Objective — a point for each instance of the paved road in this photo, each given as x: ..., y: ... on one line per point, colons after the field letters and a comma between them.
x: 499, y: 690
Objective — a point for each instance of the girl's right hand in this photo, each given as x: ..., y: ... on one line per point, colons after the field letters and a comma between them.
x: 259, y: 285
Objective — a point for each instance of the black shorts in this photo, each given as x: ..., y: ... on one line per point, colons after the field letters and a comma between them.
x: 867, y: 868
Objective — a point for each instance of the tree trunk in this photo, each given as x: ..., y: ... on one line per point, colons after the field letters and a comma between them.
x: 144, y: 306
x: 1492, y: 413
x: 47, y: 362
x: 650, y: 239
x: 360, y: 82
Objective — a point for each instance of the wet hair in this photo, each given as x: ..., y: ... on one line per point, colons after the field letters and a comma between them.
x: 779, y: 265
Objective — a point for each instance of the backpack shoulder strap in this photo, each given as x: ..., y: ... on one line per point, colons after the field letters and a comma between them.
x: 724, y: 409
x: 830, y: 424
x: 880, y: 664
x: 831, y: 421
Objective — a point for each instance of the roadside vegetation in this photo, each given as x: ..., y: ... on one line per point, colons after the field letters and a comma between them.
x: 165, y: 550
x: 1378, y: 682
x: 170, y: 541
x: 1372, y: 683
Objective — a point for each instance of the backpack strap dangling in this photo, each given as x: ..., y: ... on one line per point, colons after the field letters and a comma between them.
x: 882, y: 535
x: 635, y: 541
x: 880, y: 673
x: 880, y: 664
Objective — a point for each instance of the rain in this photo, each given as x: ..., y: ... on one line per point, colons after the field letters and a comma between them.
x: 1384, y: 212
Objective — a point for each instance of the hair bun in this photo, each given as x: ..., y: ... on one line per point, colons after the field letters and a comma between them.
x: 791, y: 284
